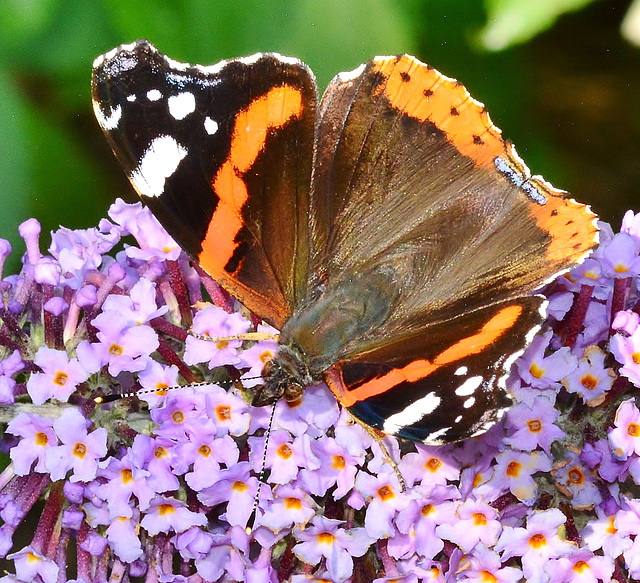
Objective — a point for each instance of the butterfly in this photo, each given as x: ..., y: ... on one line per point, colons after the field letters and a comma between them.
x: 387, y: 230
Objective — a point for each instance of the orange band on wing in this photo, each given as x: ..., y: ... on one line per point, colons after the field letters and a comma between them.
x: 250, y: 131
x: 425, y: 94
x: 419, y: 369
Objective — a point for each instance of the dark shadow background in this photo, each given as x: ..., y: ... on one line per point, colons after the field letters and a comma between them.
x: 565, y: 87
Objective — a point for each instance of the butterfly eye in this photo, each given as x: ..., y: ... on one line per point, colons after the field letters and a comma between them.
x: 292, y: 392
x: 267, y: 369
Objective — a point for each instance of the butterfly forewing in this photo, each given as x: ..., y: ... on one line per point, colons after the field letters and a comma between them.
x: 222, y: 156
x: 406, y: 182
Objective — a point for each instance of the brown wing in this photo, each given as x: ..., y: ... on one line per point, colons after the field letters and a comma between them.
x: 414, y: 183
x: 222, y: 156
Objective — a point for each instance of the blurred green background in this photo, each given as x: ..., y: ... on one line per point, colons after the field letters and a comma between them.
x: 560, y: 77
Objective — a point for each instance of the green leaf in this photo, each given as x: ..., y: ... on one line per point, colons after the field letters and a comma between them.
x: 511, y: 22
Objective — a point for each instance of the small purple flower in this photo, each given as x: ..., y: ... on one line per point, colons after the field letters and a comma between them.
x: 153, y: 239
x: 591, y: 380
x: 429, y: 466
x: 325, y: 538
x: 59, y: 379
x: 620, y: 258
x: 228, y: 411
x: 476, y: 523
x: 290, y: 507
x: 216, y: 323
x: 385, y: 498
x: 138, y: 307
x: 533, y: 426
x: 603, y: 533
x: 30, y: 564
x: 122, y: 346
x: 123, y: 538
x: 542, y: 371
x: 580, y: 567
x: 169, y: 515
x: 535, y: 544
x: 514, y: 471
x: 624, y: 438
x: 626, y: 349
x: 573, y: 478
x: 37, y: 437
x: 485, y: 566
x: 79, y: 451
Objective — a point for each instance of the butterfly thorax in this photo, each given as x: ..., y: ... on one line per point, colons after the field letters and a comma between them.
x: 319, y: 334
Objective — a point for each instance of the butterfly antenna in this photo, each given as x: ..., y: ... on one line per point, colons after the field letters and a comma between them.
x: 103, y: 399
x: 251, y: 336
x: 261, y: 478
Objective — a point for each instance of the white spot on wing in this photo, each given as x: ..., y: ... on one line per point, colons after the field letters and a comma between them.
x: 210, y: 125
x: 159, y: 161
x: 412, y: 413
x: 469, y: 402
x: 458, y: 419
x: 469, y: 386
x: 461, y: 371
x: 107, y: 122
x: 131, y: 98
x: 154, y: 95
x: 435, y: 436
x: 181, y: 105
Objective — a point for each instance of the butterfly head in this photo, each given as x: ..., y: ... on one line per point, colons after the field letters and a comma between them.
x: 285, y: 377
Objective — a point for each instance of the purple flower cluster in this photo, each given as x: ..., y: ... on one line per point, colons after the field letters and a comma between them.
x: 163, y: 486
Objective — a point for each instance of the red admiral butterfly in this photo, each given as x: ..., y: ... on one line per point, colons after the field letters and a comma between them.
x: 388, y: 231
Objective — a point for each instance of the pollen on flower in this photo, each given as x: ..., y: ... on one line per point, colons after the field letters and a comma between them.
x: 385, y: 493
x: 621, y: 268
x: 127, y: 476
x: 31, y: 558
x: 326, y: 538
x: 293, y: 503
x: 339, y: 462
x: 428, y: 509
x: 487, y: 577
x: 433, y: 464
x: 479, y: 519
x: 265, y: 356
x: 537, y: 541
x: 581, y: 567
x: 160, y: 452
x: 161, y: 389
x: 239, y: 486
x: 41, y: 439
x: 513, y: 469
x: 223, y: 412
x: 204, y: 450
x: 178, y: 417
x: 61, y: 378
x: 611, y: 529
x: 589, y: 382
x: 536, y: 371
x: 80, y: 450
x: 635, y: 356
x: 535, y: 426
x: 633, y: 429
x: 222, y: 344
x: 116, y: 350
x: 575, y: 476
x: 164, y: 509
x: 284, y: 451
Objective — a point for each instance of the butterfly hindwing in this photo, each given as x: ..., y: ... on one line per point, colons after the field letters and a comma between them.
x: 445, y: 383
x: 233, y: 188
